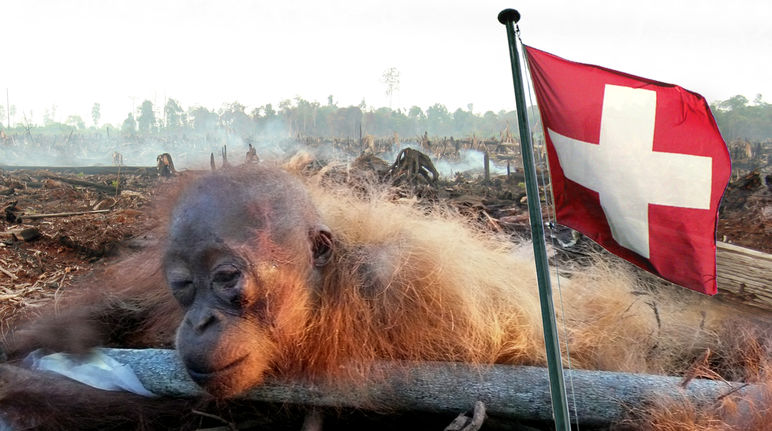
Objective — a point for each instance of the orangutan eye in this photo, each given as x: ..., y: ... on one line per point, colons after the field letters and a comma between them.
x: 181, y: 285
x: 226, y: 283
x: 179, y: 278
x: 226, y: 275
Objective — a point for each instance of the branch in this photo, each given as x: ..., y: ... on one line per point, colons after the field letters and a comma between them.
x: 37, y: 216
x: 510, y: 391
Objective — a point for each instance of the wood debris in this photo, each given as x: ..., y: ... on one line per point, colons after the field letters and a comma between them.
x: 67, y: 214
x: 67, y: 226
x: 21, y: 234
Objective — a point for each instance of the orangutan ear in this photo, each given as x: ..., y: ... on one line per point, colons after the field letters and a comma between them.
x: 321, y: 238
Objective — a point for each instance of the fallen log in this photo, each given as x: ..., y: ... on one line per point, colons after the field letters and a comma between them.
x: 744, y: 275
x: 517, y: 392
x: 101, y: 187
x: 67, y: 214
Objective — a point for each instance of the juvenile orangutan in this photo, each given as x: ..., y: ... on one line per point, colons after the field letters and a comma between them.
x: 259, y: 274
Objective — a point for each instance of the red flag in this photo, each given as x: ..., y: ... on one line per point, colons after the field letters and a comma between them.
x: 639, y: 166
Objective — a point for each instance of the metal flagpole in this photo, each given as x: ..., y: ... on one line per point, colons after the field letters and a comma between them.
x: 509, y: 17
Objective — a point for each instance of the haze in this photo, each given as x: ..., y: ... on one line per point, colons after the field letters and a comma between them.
x: 63, y: 56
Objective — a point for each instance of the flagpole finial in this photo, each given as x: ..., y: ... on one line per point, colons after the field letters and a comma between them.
x: 509, y: 15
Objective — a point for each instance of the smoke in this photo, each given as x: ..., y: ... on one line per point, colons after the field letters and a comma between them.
x: 470, y: 162
x: 191, y: 150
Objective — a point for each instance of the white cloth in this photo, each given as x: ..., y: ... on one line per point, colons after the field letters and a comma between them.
x: 95, y: 369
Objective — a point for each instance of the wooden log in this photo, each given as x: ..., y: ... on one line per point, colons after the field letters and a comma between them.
x: 487, y: 167
x: 100, y: 187
x: 744, y: 275
x: 507, y: 391
x: 67, y: 214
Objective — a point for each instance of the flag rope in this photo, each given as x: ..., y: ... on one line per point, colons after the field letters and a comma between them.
x: 549, y: 200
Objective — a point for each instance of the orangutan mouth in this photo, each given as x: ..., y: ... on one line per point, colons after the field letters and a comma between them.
x: 202, y: 375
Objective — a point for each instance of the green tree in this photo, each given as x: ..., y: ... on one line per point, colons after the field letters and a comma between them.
x: 269, y: 111
x: 438, y: 119
x: 235, y: 119
x: 463, y: 123
x: 203, y: 119
x: 75, y: 121
x: 489, y: 124
x: 129, y: 126
x: 347, y: 121
x: 288, y: 113
x: 305, y: 115
x: 96, y: 113
x: 418, y: 119
x: 173, y: 114
x: 416, y: 113
x: 146, y: 121
x: 734, y: 103
x: 739, y: 120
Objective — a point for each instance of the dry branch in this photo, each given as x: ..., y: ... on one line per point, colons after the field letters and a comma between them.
x: 67, y: 214
x: 8, y: 273
x: 507, y: 391
x: 493, y: 222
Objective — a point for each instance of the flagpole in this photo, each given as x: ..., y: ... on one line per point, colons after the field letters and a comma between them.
x: 509, y: 17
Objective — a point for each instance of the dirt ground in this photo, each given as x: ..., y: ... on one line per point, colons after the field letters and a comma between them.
x: 42, y: 253
x: 41, y: 257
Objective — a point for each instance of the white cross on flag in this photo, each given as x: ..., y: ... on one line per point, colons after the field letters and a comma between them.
x: 638, y: 166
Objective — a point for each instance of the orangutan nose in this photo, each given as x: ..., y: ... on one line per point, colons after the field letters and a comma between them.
x: 201, y: 320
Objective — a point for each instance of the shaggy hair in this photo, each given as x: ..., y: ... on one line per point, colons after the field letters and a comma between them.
x: 407, y: 283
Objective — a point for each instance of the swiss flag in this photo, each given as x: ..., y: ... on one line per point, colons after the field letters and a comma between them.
x: 637, y: 165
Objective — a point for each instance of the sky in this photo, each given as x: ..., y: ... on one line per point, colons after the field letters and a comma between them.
x: 70, y: 54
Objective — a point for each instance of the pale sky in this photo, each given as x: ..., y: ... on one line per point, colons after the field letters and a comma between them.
x: 72, y: 53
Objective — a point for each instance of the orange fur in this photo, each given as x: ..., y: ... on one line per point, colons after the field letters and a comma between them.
x: 404, y: 284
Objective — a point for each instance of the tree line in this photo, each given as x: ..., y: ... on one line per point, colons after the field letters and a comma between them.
x: 300, y: 117
x: 737, y: 118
